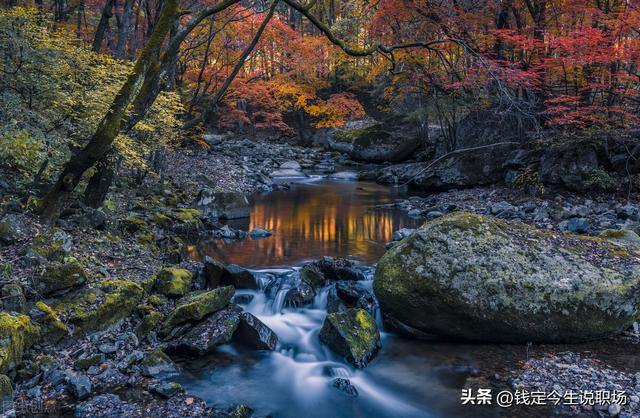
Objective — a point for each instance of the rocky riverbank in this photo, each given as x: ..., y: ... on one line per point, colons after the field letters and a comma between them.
x: 92, y: 305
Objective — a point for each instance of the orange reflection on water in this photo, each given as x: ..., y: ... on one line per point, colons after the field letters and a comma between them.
x: 313, y: 220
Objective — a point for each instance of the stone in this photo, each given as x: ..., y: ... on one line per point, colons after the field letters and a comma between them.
x: 166, y: 389
x: 287, y: 172
x: 253, y: 333
x: 352, y: 334
x: 213, y: 272
x: 375, y: 144
x: 259, y: 233
x: 53, y: 245
x: 215, y: 330
x: 239, y: 278
x: 300, y: 295
x: 243, y: 299
x: 6, y: 389
x: 620, y: 236
x: 13, y: 298
x: 158, y: 364
x: 79, y: 385
x: 312, y: 275
x: 577, y: 225
x: 479, y: 278
x: 338, y: 269
x: 12, y: 229
x: 345, y: 386
x: 17, y: 334
x: 571, y: 168
x: 402, y: 233
x: 290, y: 165
x: 86, y: 362
x: 503, y: 210
x: 134, y: 223
x: 224, y: 205
x: 58, y: 276
x: 173, y: 282
x: 197, y: 307
x: 99, y: 306
x: 345, y: 175
x: 52, y: 326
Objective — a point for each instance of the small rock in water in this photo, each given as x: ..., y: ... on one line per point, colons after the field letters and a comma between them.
x: 400, y: 234
x: 166, y: 389
x: 345, y: 386
x: 259, y: 233
x: 352, y: 334
x: 242, y: 299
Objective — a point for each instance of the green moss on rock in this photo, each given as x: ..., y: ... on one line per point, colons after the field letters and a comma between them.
x: 475, y: 277
x: 352, y: 334
x: 17, y: 334
x: 59, y: 276
x: 148, y: 323
x: 198, y: 306
x: 6, y: 388
x: 134, y: 223
x: 185, y: 215
x: 173, y: 282
x: 52, y: 245
x: 53, y: 329
x: 13, y: 298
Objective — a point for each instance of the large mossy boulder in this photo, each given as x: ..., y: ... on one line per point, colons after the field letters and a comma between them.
x: 99, y: 306
x: 57, y: 276
x: 17, y: 334
x: 196, y: 307
x: 352, y: 334
x: 173, y: 282
x: 215, y: 330
x: 375, y: 144
x: 478, y: 278
x: 54, y: 244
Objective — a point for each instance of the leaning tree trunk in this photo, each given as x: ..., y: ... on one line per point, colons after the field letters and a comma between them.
x: 109, y: 127
x: 100, y: 182
x: 103, y: 24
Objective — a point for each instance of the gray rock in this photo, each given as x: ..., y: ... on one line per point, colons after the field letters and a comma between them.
x: 300, y: 295
x: 287, y: 172
x: 223, y: 205
x: 434, y: 214
x: 578, y: 225
x: 478, y: 278
x: 374, y: 144
x: 503, y: 210
x: 290, y: 165
x: 345, y: 175
x: 402, y: 233
x: 345, y: 386
x: 215, y: 330
x: 254, y: 333
x: 259, y: 233
x: 239, y: 277
x: 166, y: 389
x: 571, y: 168
x: 12, y: 229
x: 352, y: 334
x: 79, y: 385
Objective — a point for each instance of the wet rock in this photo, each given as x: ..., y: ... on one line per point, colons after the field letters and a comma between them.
x: 287, y: 172
x: 58, y: 276
x: 157, y: 364
x: 239, y: 277
x: 252, y: 332
x: 12, y: 229
x: 79, y: 385
x: 238, y: 411
x: 345, y: 386
x: 173, y: 282
x: 352, y: 334
x: 350, y: 292
x: 166, y: 389
x: 242, y: 299
x: 259, y: 233
x: 223, y: 205
x: 17, y: 334
x: 345, y: 175
x: 338, y: 269
x: 13, y: 298
x: 475, y: 277
x: 312, y: 275
x: 215, y: 330
x: 300, y: 295
x: 401, y: 234
x: 197, y: 307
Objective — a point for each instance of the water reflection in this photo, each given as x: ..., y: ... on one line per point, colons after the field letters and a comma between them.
x: 312, y: 220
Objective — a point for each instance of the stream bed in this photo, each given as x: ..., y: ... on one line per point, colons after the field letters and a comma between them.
x: 408, y: 378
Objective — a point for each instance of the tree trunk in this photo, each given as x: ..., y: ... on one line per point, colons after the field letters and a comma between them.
x: 124, y: 27
x: 103, y: 25
x: 109, y: 127
x: 100, y: 182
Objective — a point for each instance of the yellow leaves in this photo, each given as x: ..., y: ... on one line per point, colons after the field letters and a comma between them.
x: 20, y: 151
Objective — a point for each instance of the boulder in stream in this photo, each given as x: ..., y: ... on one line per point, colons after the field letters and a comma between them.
x: 254, y: 333
x: 352, y: 334
x: 225, y: 205
x: 479, y: 278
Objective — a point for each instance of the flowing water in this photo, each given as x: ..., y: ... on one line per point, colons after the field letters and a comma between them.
x: 408, y: 378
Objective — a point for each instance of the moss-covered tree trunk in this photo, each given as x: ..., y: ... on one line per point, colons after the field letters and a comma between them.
x: 109, y: 127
